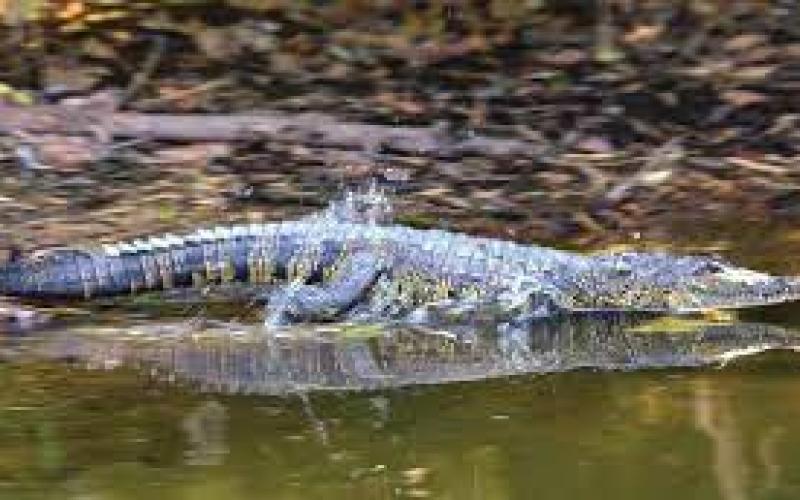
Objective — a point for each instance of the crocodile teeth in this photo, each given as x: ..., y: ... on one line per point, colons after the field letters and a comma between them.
x: 126, y: 248
x: 111, y: 250
x: 205, y: 235
x: 173, y: 241
x: 239, y: 231
x: 158, y: 243
x: 221, y: 233
x: 142, y: 246
x: 193, y: 238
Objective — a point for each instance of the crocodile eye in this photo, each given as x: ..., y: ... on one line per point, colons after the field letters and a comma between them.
x: 621, y: 270
x: 709, y: 267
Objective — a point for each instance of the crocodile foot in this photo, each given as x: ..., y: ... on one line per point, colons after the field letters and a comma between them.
x: 300, y: 302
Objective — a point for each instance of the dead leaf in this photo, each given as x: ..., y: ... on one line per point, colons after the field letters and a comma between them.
x: 595, y: 144
x: 643, y: 33
x: 71, y: 10
x: 760, y: 55
x: 194, y: 154
x: 755, y: 73
x: 706, y: 69
x: 783, y: 123
x: 655, y: 177
x: 217, y: 43
x: 791, y: 50
x: 756, y: 165
x: 741, y: 98
x: 400, y: 103
x: 566, y: 57
x: 66, y: 153
x: 744, y: 41
x: 608, y: 54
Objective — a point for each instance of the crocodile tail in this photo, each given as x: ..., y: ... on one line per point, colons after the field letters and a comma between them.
x: 11, y: 281
x: 53, y: 274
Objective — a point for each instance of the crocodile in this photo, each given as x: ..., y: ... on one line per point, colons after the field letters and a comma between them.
x: 338, y: 266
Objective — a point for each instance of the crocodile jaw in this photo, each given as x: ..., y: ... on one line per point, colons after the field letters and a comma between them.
x: 757, y: 289
x: 662, y: 283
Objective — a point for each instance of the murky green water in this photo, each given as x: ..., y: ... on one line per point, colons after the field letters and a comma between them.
x: 68, y: 433
x: 95, y: 414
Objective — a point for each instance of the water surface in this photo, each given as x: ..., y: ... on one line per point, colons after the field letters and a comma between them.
x: 179, y: 410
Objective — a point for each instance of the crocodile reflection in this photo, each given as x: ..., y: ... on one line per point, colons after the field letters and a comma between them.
x: 242, y: 359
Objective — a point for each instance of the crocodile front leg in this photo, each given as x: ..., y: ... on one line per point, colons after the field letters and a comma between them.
x: 299, y: 302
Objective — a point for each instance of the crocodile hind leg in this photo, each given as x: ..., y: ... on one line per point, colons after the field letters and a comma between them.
x: 302, y: 302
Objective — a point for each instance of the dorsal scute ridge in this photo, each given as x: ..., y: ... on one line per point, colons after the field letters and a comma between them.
x: 368, y: 205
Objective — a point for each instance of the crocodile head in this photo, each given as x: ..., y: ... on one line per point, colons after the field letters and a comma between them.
x: 668, y: 283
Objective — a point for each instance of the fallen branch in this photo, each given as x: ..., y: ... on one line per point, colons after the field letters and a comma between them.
x: 312, y: 129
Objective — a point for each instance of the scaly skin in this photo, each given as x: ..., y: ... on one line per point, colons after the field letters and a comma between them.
x: 332, y: 267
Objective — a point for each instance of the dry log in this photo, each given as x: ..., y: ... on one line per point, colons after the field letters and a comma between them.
x: 312, y: 129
